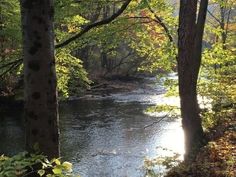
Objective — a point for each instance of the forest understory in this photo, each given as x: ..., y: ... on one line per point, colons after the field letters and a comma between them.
x: 217, y: 158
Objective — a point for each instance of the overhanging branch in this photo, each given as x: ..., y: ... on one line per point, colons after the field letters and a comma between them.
x: 160, y: 22
x: 93, y: 25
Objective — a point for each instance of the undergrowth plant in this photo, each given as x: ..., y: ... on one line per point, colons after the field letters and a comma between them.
x: 25, y: 164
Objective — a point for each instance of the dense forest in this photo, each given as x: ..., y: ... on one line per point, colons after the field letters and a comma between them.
x: 55, y: 51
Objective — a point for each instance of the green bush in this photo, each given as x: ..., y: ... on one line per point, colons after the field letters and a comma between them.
x: 25, y: 164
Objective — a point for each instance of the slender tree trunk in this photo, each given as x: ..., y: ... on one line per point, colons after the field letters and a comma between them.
x: 104, y: 59
x: 222, y: 25
x: 104, y: 62
x: 189, y: 59
x: 41, y: 107
x: 84, y: 55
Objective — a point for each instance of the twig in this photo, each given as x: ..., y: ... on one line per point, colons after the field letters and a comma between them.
x: 211, y: 14
x: 27, y: 174
x: 119, y: 64
x: 146, y: 126
x: 11, y: 63
x: 13, y: 66
x: 159, y: 120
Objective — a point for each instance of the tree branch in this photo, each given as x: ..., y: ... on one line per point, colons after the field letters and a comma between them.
x: 160, y: 21
x: 120, y: 63
x: 213, y: 16
x: 227, y: 23
x: 93, y: 25
x: 161, y: 118
x: 11, y: 63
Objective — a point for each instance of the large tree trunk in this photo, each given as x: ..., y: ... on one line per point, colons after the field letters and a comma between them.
x: 189, y: 59
x: 41, y: 107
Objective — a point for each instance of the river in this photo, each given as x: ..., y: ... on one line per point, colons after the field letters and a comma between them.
x: 108, y: 136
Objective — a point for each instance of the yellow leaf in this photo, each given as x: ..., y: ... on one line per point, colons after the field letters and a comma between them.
x: 67, y: 165
x: 41, y: 172
x: 57, y: 161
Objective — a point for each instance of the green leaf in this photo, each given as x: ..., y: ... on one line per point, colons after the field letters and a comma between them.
x: 57, y: 171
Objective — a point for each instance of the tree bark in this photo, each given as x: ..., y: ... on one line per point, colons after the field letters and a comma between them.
x: 222, y: 25
x: 190, y: 35
x: 41, y: 107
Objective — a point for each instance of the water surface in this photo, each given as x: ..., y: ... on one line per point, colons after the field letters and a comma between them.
x: 107, y: 136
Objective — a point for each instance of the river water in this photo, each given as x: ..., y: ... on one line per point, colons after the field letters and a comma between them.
x: 108, y: 136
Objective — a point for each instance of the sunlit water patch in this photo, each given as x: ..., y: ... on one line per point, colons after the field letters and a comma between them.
x: 113, y: 135
x: 113, y: 140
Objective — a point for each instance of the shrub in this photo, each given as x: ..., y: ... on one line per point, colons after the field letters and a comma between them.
x: 25, y: 164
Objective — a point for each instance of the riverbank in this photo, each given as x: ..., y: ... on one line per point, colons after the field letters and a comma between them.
x: 116, y: 84
x: 217, y: 158
x: 101, y: 87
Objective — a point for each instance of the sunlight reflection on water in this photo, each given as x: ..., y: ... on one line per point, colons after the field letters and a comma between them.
x: 173, y: 141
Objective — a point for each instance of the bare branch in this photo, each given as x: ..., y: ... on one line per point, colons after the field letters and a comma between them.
x: 13, y: 66
x: 156, y: 122
x: 11, y: 63
x: 213, y: 16
x: 168, y: 114
x: 120, y: 63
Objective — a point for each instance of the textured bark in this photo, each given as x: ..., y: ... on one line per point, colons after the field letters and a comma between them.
x: 189, y: 59
x: 41, y: 107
